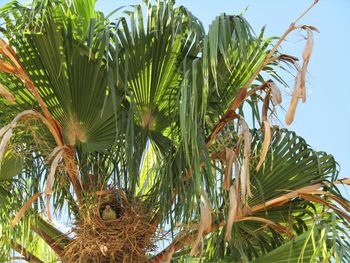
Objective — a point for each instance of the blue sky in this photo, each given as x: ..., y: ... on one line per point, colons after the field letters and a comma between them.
x: 324, y: 119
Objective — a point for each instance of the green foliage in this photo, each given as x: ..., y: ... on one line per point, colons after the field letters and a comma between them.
x: 136, y: 98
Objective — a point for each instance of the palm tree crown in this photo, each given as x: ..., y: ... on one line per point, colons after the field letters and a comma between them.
x: 170, y: 129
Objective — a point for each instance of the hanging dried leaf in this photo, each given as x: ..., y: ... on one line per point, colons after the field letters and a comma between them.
x: 247, y: 144
x: 245, y: 180
x: 292, y: 108
x: 50, y: 181
x: 303, y: 81
x: 306, y: 56
x: 245, y: 175
x: 266, y: 106
x: 309, y: 44
x: 246, y: 163
x: 235, y: 162
x: 230, y: 159
x: 53, y: 168
x: 295, y: 97
x: 244, y: 125
x: 4, y: 142
x: 266, y: 143
x: 232, y: 211
x: 276, y: 94
x: 7, y: 95
x: 24, y: 208
x: 205, y: 221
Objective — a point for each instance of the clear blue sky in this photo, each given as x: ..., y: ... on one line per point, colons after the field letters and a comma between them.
x: 324, y: 121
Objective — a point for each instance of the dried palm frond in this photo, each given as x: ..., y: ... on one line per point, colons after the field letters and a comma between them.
x: 204, y: 223
x: 247, y: 140
x: 245, y: 174
x: 266, y: 143
x: 7, y: 95
x: 7, y: 131
x: 4, y: 129
x: 8, y: 52
x: 232, y: 212
x: 309, y: 44
x: 288, y: 58
x: 245, y: 180
x: 276, y: 94
x: 54, y: 153
x: 7, y: 67
x: 244, y: 125
x: 303, y: 81
x: 25, y: 207
x: 50, y: 181
x: 19, y: 71
x: 295, y: 97
x: 306, y: 56
x: 274, y: 225
x: 23, y: 114
x: 231, y: 158
x: 4, y: 142
x: 266, y: 105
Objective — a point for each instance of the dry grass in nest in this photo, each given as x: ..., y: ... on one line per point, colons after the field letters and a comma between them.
x: 125, y: 239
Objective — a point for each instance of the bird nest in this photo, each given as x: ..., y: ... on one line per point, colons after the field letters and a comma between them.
x: 124, y: 239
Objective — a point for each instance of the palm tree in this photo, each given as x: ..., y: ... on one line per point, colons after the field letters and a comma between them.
x: 156, y: 141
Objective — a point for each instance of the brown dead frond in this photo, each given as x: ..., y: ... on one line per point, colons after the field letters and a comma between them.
x: 266, y: 143
x: 233, y: 211
x: 205, y: 222
x: 7, y: 95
